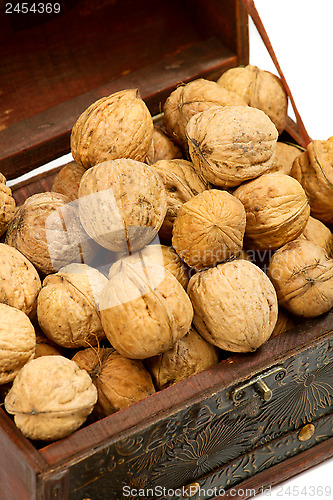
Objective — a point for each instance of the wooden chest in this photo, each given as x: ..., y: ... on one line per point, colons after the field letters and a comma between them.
x: 251, y: 421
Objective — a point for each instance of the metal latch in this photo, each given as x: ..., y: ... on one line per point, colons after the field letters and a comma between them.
x: 259, y: 384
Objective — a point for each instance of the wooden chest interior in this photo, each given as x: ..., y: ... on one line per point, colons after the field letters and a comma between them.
x: 52, y: 71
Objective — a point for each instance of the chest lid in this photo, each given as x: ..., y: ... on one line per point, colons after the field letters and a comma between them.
x: 58, y: 59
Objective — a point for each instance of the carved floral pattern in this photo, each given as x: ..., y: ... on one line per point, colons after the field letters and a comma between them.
x: 215, y: 433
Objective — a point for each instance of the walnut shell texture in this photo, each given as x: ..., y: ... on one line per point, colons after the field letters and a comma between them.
x: 260, y: 89
x: 67, y: 307
x: 192, y: 98
x: 20, y: 283
x: 144, y: 310
x: 181, y: 182
x: 47, y: 230
x: 122, y: 204
x: 117, y: 126
x: 120, y: 381
x: 302, y: 275
x: 277, y: 210
x: 160, y: 255
x: 285, y: 154
x: 7, y: 205
x: 68, y: 179
x: 162, y: 147
x: 231, y: 144
x: 235, y: 305
x: 284, y: 323
x: 319, y: 234
x: 209, y: 228
x: 17, y: 342
x: 50, y: 398
x: 188, y: 356
x: 314, y: 170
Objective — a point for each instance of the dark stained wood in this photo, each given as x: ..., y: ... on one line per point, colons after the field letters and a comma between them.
x: 45, y: 136
x: 227, y: 373
x: 36, y: 184
x: 53, y: 70
x: 20, y: 463
x: 281, y: 472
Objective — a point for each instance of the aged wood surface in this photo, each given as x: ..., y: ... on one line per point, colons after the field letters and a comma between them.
x: 20, y: 463
x: 42, y: 104
x: 196, y: 388
x: 281, y: 472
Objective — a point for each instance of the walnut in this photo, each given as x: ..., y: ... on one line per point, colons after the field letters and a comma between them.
x: 50, y: 398
x: 181, y: 182
x: 209, y: 228
x: 314, y: 170
x: 302, y: 275
x: 235, y: 305
x: 117, y: 126
x: 277, y: 210
x: 7, y: 205
x: 285, y: 155
x: 144, y: 310
x: 47, y: 230
x: 17, y: 342
x: 67, y: 306
x: 120, y: 381
x: 231, y: 144
x: 68, y: 179
x: 192, y: 98
x: 122, y: 204
x: 160, y: 255
x: 19, y: 280
x: 188, y: 356
x: 45, y: 346
x: 162, y: 147
x: 260, y: 89
x: 319, y: 234
x: 284, y: 323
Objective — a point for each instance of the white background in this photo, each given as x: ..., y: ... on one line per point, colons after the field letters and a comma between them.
x: 301, y: 33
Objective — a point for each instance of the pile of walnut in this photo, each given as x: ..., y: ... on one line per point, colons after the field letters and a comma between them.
x: 160, y: 250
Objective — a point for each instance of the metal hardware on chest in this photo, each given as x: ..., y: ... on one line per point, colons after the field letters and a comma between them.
x: 306, y: 432
x: 259, y: 384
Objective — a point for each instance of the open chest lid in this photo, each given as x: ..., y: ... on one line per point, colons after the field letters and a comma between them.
x: 58, y: 58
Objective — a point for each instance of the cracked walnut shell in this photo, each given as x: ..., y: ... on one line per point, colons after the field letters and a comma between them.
x: 17, y: 342
x: 231, y: 144
x: 117, y: 126
x: 235, y: 305
x: 144, y: 310
x: 209, y: 228
x: 50, y: 398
